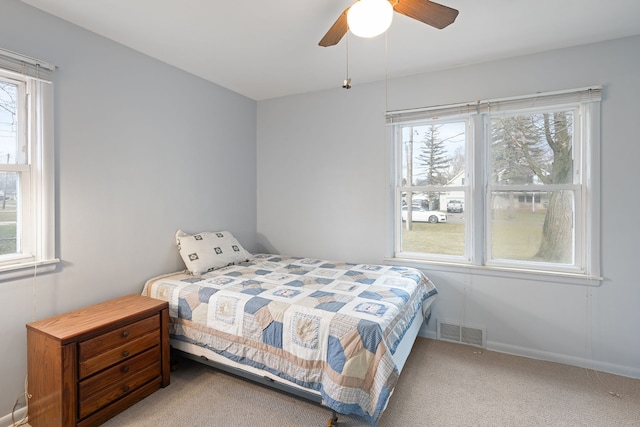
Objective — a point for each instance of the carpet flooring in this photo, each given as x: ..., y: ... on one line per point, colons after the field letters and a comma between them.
x: 443, y: 384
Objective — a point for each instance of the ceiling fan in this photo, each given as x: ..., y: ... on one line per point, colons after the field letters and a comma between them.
x: 426, y: 11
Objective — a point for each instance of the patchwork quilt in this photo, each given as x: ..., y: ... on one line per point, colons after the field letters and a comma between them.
x: 327, y: 326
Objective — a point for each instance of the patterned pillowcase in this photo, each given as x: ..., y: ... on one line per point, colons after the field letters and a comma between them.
x: 208, y: 251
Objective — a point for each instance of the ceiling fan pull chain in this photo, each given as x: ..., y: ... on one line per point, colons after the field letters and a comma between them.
x: 347, y: 82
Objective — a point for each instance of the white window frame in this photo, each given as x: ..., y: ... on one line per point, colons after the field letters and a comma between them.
x: 36, y: 234
x: 466, y: 188
x: 585, y: 102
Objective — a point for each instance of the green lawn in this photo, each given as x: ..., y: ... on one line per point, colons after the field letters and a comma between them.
x: 7, y: 230
x: 7, y: 215
x: 518, y: 238
x: 444, y: 238
x: 515, y: 238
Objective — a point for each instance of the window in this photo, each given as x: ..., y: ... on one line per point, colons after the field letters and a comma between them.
x: 509, y: 184
x: 26, y: 162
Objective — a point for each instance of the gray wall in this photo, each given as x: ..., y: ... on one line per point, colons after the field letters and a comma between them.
x: 324, y: 191
x: 142, y: 149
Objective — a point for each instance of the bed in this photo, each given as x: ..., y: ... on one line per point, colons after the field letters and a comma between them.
x: 333, y: 332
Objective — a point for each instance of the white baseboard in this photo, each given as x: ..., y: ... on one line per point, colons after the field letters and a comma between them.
x: 626, y: 371
x: 17, y: 415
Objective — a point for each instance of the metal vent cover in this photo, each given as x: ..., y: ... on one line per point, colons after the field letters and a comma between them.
x: 449, y: 332
x: 464, y: 334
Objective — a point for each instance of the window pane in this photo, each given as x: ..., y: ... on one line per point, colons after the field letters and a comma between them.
x: 10, y: 141
x: 429, y: 230
x: 533, y: 226
x: 432, y: 154
x: 427, y: 238
x: 8, y: 213
x: 432, y: 222
x: 533, y: 148
x: 9, y: 150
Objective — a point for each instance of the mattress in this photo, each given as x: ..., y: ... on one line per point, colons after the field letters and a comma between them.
x: 334, y: 329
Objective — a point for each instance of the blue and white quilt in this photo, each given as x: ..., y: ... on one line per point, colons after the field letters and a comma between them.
x: 327, y: 326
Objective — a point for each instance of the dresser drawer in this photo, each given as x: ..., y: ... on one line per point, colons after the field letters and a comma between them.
x: 96, y: 346
x: 119, y: 373
x: 118, y: 354
x: 115, y: 391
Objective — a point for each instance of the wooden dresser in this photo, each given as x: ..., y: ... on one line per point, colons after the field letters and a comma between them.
x: 88, y: 365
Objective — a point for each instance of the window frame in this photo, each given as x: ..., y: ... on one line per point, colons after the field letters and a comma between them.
x: 585, y: 102
x: 399, y: 189
x: 35, y: 230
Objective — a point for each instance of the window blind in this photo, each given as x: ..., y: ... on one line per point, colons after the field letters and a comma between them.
x: 542, y: 100
x: 26, y: 66
x: 573, y: 96
x: 431, y: 113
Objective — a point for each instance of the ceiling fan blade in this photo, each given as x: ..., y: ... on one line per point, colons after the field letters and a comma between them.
x: 426, y: 11
x: 337, y: 31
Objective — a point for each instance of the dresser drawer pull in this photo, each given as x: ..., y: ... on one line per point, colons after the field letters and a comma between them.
x: 125, y: 353
x: 125, y: 334
x: 125, y: 369
x: 125, y: 388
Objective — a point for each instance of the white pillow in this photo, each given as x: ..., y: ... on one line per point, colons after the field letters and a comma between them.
x: 208, y: 251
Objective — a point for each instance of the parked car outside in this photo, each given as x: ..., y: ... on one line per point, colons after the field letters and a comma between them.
x: 418, y: 204
x: 455, y: 206
x: 419, y: 214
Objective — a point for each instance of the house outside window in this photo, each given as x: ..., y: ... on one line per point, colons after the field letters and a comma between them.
x: 27, y: 235
x: 517, y: 180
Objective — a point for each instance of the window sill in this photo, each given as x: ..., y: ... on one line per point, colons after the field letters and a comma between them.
x: 20, y: 270
x: 503, y: 272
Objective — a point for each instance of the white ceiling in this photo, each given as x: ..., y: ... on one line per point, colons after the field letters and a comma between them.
x: 269, y: 48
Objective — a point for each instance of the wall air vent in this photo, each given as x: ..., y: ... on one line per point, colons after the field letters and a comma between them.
x: 463, y: 334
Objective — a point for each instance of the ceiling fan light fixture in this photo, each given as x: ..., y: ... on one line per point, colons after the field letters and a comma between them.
x: 369, y: 18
